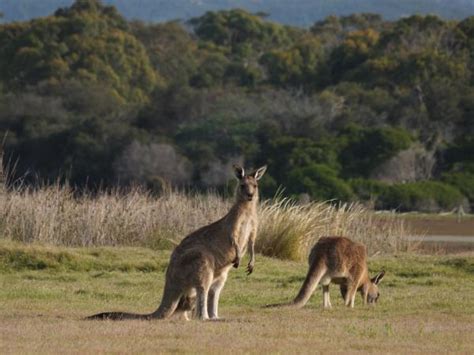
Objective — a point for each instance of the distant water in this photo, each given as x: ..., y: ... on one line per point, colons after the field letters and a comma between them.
x: 298, y: 13
x: 442, y: 238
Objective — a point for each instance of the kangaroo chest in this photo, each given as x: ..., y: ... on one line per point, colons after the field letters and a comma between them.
x: 244, y: 227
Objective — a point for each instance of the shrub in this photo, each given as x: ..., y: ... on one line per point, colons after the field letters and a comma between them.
x: 462, y: 181
x: 364, y: 149
x: 320, y: 182
x: 367, y: 189
x: 426, y: 196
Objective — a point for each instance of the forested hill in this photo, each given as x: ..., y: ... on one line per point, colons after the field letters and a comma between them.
x: 352, y: 108
x: 294, y: 12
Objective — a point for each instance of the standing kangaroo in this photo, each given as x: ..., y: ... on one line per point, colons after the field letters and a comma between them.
x: 343, y: 262
x: 199, y: 265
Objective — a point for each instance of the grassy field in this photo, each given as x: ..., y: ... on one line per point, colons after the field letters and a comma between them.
x: 426, y: 305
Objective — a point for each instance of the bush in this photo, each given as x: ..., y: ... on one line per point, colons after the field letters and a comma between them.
x: 320, y: 182
x: 367, y: 189
x: 364, y: 149
x: 425, y: 196
x: 462, y: 181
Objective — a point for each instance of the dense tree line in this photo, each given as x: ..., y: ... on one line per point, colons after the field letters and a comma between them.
x: 353, y: 108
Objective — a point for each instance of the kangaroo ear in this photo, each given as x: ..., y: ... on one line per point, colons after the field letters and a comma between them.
x: 239, y: 171
x: 259, y: 172
x: 377, y: 278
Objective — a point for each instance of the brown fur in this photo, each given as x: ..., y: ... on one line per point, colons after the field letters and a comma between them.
x: 199, y: 265
x: 341, y: 261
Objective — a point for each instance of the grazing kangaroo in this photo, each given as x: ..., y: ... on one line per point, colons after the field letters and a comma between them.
x: 199, y: 265
x: 343, y: 262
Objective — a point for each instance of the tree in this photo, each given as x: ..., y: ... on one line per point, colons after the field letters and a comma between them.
x: 301, y: 66
x: 88, y: 41
x: 172, y: 50
x: 142, y: 163
x: 354, y: 50
x: 363, y: 149
x: 237, y: 29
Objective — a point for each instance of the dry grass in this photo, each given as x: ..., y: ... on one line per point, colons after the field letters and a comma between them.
x: 56, y: 215
x: 289, y: 230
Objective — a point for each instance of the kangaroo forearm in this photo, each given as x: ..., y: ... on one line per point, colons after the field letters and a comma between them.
x: 251, y: 247
x: 235, y: 246
x: 251, y: 244
x: 252, y: 251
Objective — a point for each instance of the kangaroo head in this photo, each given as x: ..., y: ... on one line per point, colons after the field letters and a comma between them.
x: 373, y: 293
x: 247, y: 190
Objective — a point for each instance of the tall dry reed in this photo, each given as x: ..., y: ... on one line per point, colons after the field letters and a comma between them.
x: 55, y: 215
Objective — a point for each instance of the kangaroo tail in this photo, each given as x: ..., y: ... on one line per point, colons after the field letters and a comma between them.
x: 309, y: 285
x: 164, y: 311
x: 166, y: 308
x: 119, y: 316
x: 169, y: 303
x: 277, y: 305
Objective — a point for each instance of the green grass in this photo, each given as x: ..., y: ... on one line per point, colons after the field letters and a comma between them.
x: 426, y: 305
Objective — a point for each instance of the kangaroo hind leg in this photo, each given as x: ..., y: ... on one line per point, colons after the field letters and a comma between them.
x: 326, y: 298
x: 186, y: 305
x: 203, y: 284
x: 350, y: 294
x: 214, y: 294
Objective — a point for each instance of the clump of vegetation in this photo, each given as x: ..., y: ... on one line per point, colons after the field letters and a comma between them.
x: 463, y: 181
x: 289, y: 230
x: 429, y: 196
x: 320, y: 182
x: 426, y: 196
x: 367, y: 189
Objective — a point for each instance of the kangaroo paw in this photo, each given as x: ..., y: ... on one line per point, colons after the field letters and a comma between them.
x: 236, y: 263
x: 249, y: 269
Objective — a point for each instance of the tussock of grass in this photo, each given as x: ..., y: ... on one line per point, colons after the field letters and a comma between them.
x: 289, y: 230
x: 56, y: 216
